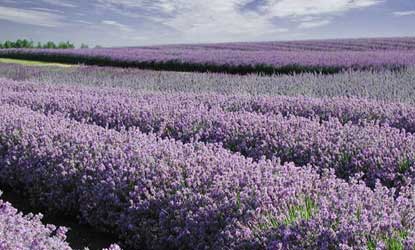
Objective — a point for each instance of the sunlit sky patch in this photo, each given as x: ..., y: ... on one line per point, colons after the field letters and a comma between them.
x: 144, y: 22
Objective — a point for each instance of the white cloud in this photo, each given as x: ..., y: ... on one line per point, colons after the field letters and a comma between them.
x: 194, y: 20
x: 47, y: 10
x: 298, y: 8
x: 217, y: 19
x: 214, y: 20
x: 220, y: 20
x: 60, y: 3
x: 121, y: 27
x: 404, y: 13
x: 313, y: 24
x: 161, y: 5
x: 84, y: 22
x: 32, y: 17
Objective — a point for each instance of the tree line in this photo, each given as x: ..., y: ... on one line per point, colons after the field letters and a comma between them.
x: 29, y: 44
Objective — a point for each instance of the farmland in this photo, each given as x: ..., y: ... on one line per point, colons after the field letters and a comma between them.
x: 241, y: 58
x: 31, y: 63
x: 272, y: 145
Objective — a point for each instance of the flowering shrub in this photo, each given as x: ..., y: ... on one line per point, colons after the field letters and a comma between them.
x: 161, y: 194
x: 18, y: 231
x: 268, y: 58
x: 255, y: 128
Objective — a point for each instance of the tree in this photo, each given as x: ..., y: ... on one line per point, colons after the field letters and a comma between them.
x: 29, y: 44
x: 65, y: 45
x: 18, y: 44
x: 62, y: 45
x: 84, y: 46
x: 8, y: 44
x: 23, y: 44
x: 70, y: 45
x: 50, y: 45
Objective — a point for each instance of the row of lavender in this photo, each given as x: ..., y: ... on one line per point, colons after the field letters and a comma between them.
x: 208, y: 59
x: 162, y: 194
x: 319, y: 45
x: 346, y: 110
x: 20, y: 232
x: 27, y: 232
x: 379, y: 151
x: 384, y: 86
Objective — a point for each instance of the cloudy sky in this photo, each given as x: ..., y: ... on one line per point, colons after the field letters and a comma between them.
x: 144, y: 22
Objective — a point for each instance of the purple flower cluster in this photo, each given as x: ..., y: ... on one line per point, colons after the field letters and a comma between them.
x: 222, y: 57
x: 20, y: 232
x: 162, y: 194
x: 330, y: 141
x: 313, y: 45
x: 346, y: 110
x: 335, y: 55
x: 383, y: 86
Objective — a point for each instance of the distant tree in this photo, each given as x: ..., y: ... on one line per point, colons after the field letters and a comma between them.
x: 98, y: 47
x: 30, y: 44
x: 25, y: 43
x: 65, y: 45
x: 84, y: 46
x: 49, y: 45
x: 8, y: 44
x: 62, y: 45
x: 18, y: 44
x: 71, y: 46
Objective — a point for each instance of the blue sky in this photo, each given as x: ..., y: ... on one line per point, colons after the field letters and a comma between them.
x: 146, y: 22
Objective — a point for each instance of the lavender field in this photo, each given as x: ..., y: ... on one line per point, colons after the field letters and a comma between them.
x: 317, y: 158
x: 325, y: 56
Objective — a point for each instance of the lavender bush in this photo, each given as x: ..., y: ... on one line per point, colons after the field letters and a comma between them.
x: 170, y: 160
x: 354, y: 110
x: 18, y: 231
x: 379, y: 151
x: 237, y: 58
x: 162, y: 194
x: 383, y: 86
x: 363, y: 44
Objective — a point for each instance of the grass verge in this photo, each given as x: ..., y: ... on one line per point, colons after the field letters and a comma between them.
x: 32, y: 63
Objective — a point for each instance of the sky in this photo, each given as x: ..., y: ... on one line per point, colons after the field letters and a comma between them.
x: 119, y: 23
